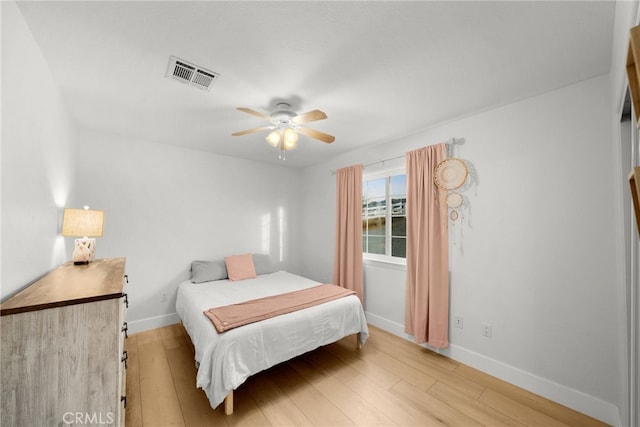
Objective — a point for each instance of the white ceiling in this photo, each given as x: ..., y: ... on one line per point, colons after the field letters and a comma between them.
x: 380, y: 70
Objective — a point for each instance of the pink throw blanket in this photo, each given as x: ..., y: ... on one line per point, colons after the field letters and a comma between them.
x: 234, y: 315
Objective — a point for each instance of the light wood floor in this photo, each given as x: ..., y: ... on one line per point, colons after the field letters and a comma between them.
x: 389, y: 382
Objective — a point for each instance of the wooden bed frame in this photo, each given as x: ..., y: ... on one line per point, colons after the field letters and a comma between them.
x: 228, y: 401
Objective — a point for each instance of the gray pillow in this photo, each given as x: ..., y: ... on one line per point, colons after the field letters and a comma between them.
x: 206, y: 271
x: 262, y: 263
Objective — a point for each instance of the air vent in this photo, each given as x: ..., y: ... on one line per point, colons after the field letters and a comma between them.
x: 190, y: 74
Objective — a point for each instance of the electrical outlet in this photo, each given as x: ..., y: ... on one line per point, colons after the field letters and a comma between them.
x: 486, y: 330
x: 459, y: 322
x: 164, y: 297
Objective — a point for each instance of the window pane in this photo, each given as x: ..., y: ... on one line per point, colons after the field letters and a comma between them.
x: 375, y: 245
x: 375, y: 208
x: 399, y: 247
x: 399, y: 226
x: 398, y: 185
x: 399, y: 206
x: 375, y: 188
x: 377, y: 226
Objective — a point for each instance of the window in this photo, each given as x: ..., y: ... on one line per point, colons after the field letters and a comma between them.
x: 384, y: 222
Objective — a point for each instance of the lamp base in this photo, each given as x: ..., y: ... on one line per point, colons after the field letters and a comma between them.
x: 84, y: 251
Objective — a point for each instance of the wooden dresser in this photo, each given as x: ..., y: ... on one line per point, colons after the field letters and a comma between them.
x: 62, y: 348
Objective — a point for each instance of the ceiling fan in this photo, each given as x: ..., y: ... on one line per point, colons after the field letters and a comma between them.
x: 286, y: 125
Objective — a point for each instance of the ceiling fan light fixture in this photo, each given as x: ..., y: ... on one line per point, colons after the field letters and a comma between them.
x: 290, y: 138
x: 286, y: 126
x: 274, y: 138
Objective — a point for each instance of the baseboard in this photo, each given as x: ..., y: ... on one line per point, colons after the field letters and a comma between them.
x: 387, y: 325
x: 574, y: 399
x: 142, y: 325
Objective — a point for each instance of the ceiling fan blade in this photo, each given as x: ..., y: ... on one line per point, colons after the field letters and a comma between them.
x: 324, y: 137
x: 245, y: 132
x: 254, y: 113
x: 310, y: 116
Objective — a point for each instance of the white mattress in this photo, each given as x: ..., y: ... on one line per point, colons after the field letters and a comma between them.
x: 226, y: 360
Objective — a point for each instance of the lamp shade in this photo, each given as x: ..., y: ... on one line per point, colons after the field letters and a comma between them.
x: 274, y: 138
x: 82, y: 223
x: 290, y: 139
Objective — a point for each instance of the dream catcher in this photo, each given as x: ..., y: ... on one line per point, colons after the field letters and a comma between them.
x: 450, y: 175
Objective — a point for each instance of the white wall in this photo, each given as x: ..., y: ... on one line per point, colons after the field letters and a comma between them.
x: 167, y: 206
x: 535, y: 255
x: 38, y: 159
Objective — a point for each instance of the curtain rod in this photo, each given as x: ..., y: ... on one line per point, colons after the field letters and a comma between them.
x: 449, y: 142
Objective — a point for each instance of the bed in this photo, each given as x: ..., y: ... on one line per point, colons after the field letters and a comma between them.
x: 226, y: 360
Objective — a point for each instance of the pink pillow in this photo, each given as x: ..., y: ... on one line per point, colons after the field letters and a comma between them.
x: 240, y: 267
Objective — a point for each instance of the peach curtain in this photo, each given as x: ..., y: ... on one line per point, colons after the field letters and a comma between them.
x: 347, y: 266
x: 427, y: 295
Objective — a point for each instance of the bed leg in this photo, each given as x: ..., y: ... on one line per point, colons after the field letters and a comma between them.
x: 358, y: 343
x: 228, y: 403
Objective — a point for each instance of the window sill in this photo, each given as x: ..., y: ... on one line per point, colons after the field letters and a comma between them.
x: 384, y: 263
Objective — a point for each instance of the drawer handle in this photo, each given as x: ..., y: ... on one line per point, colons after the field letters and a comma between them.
x: 126, y: 278
x: 124, y: 359
x: 124, y: 400
x: 126, y: 300
x: 125, y: 329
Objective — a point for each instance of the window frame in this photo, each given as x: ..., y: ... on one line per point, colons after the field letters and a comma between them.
x: 387, y: 259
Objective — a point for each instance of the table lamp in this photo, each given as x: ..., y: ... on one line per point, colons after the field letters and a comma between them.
x: 84, y: 223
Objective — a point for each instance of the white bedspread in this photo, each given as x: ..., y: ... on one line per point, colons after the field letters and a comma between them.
x: 226, y: 360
